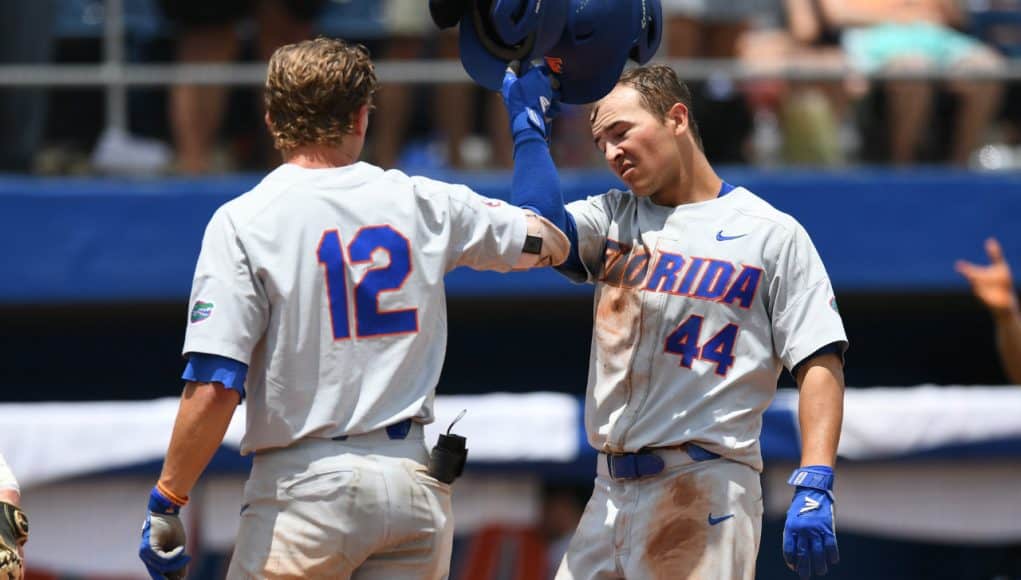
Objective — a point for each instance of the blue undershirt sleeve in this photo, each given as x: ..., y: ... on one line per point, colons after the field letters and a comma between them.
x: 211, y: 368
x: 536, y: 186
x: 836, y: 348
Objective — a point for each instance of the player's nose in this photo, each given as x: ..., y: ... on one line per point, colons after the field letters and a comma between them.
x: 611, y: 152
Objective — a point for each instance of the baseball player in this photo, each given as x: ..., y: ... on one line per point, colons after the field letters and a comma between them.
x: 318, y: 297
x: 704, y: 293
x: 13, y: 525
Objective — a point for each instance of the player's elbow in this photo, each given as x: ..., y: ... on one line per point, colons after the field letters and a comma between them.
x: 545, y: 245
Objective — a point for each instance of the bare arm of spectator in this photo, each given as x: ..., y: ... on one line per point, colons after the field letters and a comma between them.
x: 994, y: 286
x: 952, y: 13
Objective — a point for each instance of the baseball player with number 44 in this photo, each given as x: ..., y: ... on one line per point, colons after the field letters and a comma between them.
x: 704, y: 293
x: 323, y: 286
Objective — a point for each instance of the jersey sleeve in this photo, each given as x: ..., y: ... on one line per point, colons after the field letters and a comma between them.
x: 228, y: 308
x: 485, y: 234
x: 804, y: 308
x: 592, y: 222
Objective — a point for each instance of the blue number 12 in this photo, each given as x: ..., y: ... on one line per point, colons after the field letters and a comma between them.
x: 369, y: 320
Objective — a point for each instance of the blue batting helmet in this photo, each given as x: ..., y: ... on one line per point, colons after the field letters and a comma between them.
x: 599, y: 37
x: 587, y: 42
x: 496, y: 32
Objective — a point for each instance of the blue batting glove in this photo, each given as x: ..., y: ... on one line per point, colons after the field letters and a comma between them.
x: 809, y: 536
x: 163, y: 539
x: 531, y: 101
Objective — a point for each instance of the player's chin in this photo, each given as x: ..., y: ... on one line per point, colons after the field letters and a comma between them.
x: 628, y: 177
x: 640, y: 187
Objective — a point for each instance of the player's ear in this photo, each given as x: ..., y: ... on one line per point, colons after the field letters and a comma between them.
x: 677, y: 117
x: 269, y: 122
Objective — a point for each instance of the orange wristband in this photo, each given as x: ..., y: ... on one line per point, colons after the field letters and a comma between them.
x: 180, y: 501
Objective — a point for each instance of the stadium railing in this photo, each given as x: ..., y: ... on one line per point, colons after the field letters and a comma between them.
x: 115, y: 20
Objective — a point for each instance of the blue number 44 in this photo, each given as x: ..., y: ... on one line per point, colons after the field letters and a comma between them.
x: 719, y: 349
x: 369, y: 319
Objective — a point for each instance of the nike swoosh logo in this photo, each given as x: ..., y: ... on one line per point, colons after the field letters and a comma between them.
x: 713, y: 521
x: 722, y: 238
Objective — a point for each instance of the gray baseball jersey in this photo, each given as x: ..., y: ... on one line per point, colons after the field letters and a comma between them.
x: 697, y: 310
x: 328, y: 283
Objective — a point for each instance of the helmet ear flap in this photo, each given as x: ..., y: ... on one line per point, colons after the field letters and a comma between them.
x: 490, y: 36
x: 494, y: 33
x: 648, y: 21
x: 513, y: 20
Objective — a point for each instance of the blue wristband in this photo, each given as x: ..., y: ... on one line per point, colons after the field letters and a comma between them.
x: 160, y: 504
x: 528, y: 123
x: 814, y: 476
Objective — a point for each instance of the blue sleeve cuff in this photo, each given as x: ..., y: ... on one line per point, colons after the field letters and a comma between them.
x: 211, y: 368
x: 573, y: 261
x: 836, y: 348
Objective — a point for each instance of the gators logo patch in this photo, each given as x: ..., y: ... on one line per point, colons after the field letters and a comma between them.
x: 833, y: 304
x: 201, y: 311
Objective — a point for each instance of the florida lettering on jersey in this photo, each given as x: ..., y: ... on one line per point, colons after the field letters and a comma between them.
x: 712, y: 279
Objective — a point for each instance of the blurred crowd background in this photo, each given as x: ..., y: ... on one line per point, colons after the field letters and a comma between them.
x: 781, y: 82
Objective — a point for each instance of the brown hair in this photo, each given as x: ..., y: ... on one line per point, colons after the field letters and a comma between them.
x: 660, y: 89
x: 314, y: 90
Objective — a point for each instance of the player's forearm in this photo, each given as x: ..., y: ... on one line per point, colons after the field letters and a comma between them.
x: 202, y: 420
x: 821, y: 409
x: 1008, y: 339
x: 535, y: 182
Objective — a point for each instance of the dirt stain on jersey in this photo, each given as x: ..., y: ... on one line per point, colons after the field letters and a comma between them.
x: 677, y: 539
x: 618, y: 320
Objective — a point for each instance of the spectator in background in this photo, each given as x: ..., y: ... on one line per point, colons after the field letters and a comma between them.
x: 410, y: 30
x: 206, y: 34
x: 704, y: 29
x: 999, y: 24
x: 411, y: 33
x: 994, y: 286
x: 26, y: 38
x: 811, y: 115
x: 914, y: 36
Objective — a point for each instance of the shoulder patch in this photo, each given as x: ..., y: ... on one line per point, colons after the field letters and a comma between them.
x: 201, y: 311
x: 833, y: 304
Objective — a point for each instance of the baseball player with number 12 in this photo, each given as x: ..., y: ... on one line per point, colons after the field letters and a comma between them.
x: 704, y: 293
x: 323, y: 287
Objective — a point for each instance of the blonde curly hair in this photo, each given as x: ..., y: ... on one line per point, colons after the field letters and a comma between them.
x: 314, y: 90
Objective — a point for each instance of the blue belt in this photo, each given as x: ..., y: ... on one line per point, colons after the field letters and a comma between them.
x: 646, y: 463
x: 398, y: 430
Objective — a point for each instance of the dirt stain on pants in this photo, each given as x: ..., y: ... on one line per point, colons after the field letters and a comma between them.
x: 677, y: 538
